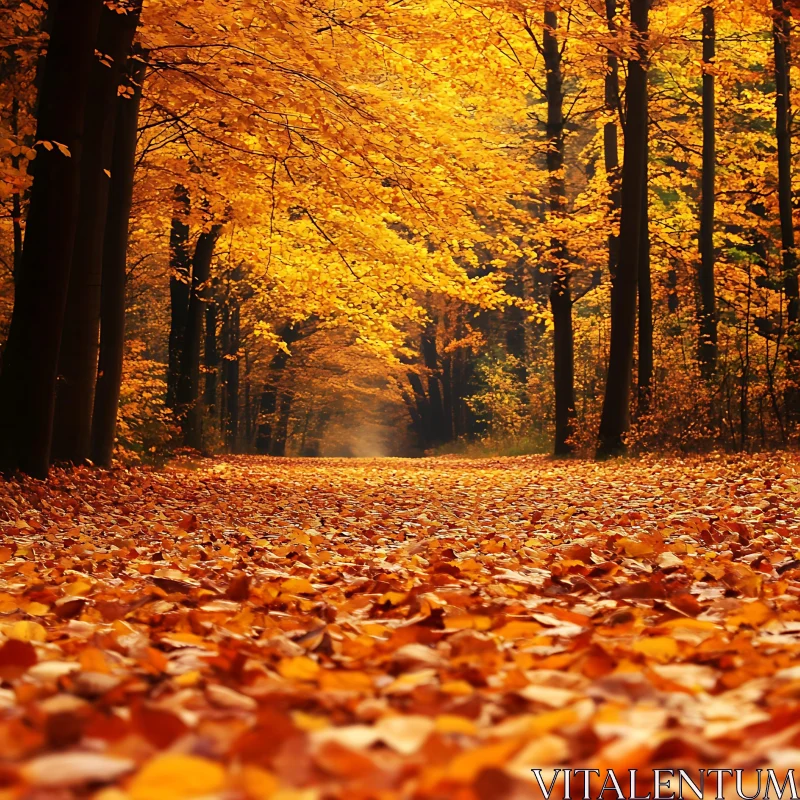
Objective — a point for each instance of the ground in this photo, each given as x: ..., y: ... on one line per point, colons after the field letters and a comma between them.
x: 285, y: 628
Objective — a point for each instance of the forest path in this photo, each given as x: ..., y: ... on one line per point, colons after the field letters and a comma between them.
x: 424, y: 627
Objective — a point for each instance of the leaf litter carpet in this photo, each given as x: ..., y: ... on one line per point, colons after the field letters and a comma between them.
x: 301, y: 629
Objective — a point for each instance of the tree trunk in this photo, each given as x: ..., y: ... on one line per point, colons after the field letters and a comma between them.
x: 180, y: 282
x: 708, y: 305
x: 780, y: 36
x: 230, y: 368
x: 115, y: 251
x: 438, y: 428
x: 610, y: 137
x: 616, y: 411
x: 515, y: 322
x: 80, y: 339
x: 644, y: 375
x: 248, y: 413
x: 281, y: 434
x: 560, y: 294
x: 30, y: 359
x: 188, y: 390
x: 210, y: 355
x: 16, y: 199
x: 269, y: 396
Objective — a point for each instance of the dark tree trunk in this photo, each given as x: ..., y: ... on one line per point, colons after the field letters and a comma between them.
x: 560, y: 294
x: 188, y: 390
x: 430, y: 355
x: 423, y: 422
x: 80, y: 338
x: 281, y: 434
x: 644, y: 375
x: 16, y: 200
x: 230, y: 368
x: 448, y: 396
x: 515, y: 321
x: 673, y: 303
x: 708, y: 304
x: 180, y: 282
x: 115, y: 251
x: 211, y: 356
x: 616, y: 402
x: 610, y: 137
x: 248, y: 405
x: 563, y: 363
x: 781, y: 39
x: 269, y: 396
x: 30, y: 359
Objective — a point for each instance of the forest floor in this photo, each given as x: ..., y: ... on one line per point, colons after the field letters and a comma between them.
x: 247, y: 628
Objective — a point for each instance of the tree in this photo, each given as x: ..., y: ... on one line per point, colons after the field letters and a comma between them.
x: 781, y: 31
x: 616, y: 410
x: 30, y: 358
x: 708, y: 303
x: 613, y: 111
x: 180, y: 281
x: 77, y: 362
x: 188, y: 392
x: 560, y: 293
x: 115, y: 256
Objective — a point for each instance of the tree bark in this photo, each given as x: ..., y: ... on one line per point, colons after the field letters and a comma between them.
x: 269, y: 396
x: 16, y: 199
x: 610, y: 137
x: 188, y: 391
x: 438, y: 428
x: 781, y: 40
x: 230, y: 368
x: 30, y: 359
x: 115, y: 252
x: 615, y: 418
x: 80, y: 339
x: 644, y: 374
x: 210, y: 355
x: 180, y: 282
x: 707, y: 348
x: 560, y: 293
x: 281, y: 432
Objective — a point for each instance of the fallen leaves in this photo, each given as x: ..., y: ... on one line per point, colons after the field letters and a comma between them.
x: 337, y: 629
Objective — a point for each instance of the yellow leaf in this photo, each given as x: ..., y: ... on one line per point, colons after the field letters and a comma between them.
x: 94, y: 660
x: 25, y: 631
x: 466, y: 766
x: 457, y: 687
x: 634, y: 548
x: 258, y: 783
x: 299, y: 668
x: 659, y: 648
x: 191, y: 678
x: 297, y: 586
x: 176, y: 776
x: 78, y: 588
x: 393, y: 598
x: 339, y: 680
x: 8, y: 603
x: 519, y: 629
x: 452, y: 723
x: 752, y: 614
